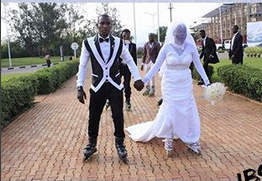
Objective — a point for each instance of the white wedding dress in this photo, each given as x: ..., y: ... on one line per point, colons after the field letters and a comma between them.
x: 178, y: 115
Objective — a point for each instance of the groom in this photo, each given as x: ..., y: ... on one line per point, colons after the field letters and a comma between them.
x: 105, y: 52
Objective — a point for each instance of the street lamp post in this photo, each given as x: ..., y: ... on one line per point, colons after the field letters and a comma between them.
x: 220, y: 20
x: 153, y: 17
x: 8, y: 38
x: 170, y: 7
x: 158, y: 31
x: 134, y: 17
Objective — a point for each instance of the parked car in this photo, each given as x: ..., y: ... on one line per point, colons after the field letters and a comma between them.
x: 224, y: 46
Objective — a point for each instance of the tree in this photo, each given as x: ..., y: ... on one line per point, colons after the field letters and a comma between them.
x: 194, y: 33
x: 162, y: 32
x: 84, y: 27
x: 113, y: 13
x: 39, y: 26
x: 16, y: 50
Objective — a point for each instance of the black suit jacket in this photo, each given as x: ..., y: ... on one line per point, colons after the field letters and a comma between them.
x: 236, y: 52
x: 132, y: 51
x: 209, y: 49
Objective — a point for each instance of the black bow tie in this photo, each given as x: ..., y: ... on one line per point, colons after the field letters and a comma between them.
x: 102, y: 39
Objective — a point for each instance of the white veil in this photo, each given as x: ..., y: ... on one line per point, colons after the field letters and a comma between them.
x: 178, y: 35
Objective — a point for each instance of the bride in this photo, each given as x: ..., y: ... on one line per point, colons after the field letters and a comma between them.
x: 178, y: 115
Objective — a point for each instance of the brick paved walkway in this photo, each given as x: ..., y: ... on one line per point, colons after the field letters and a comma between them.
x: 46, y: 142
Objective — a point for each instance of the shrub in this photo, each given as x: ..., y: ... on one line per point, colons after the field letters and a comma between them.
x: 140, y: 52
x: 253, y: 51
x: 17, y: 94
x: 51, y: 78
x: 242, y: 79
x: 46, y: 81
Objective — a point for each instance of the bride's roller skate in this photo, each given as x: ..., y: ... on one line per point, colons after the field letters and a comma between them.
x: 151, y: 92
x: 121, y: 150
x: 90, y: 149
x: 146, y: 93
x: 194, y: 148
x: 168, y: 146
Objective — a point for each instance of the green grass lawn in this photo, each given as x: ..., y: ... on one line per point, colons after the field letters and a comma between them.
x: 248, y: 61
x: 17, y: 62
x: 6, y: 77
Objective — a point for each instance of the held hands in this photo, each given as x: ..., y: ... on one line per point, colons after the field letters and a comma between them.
x: 81, y: 95
x: 142, y: 67
x: 139, y: 85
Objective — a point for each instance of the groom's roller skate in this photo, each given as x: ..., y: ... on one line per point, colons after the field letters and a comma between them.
x: 194, y: 148
x: 121, y: 150
x: 90, y: 149
x: 107, y: 105
x: 168, y: 146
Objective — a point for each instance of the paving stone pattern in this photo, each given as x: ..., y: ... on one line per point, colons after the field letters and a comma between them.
x: 47, y: 141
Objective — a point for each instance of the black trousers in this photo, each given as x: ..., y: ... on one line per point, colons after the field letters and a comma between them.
x: 48, y: 63
x: 124, y: 71
x: 96, y: 106
x: 237, y: 60
x: 205, y: 65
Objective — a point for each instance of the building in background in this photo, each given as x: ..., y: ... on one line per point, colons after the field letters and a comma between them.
x: 221, y: 20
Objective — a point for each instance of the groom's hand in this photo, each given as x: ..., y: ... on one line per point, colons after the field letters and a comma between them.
x: 139, y: 85
x: 81, y: 95
x: 142, y: 67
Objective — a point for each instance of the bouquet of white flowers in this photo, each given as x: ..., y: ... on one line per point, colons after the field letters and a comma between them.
x: 214, y: 92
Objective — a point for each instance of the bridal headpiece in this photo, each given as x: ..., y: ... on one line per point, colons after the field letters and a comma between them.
x: 178, y: 35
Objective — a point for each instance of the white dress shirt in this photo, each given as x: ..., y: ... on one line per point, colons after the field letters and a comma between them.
x: 232, y: 41
x: 126, y: 45
x: 105, y: 48
x: 204, y: 41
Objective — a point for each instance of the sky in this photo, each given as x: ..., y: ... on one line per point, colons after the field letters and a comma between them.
x: 145, y: 16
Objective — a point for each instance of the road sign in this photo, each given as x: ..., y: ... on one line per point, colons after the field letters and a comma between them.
x: 74, y: 46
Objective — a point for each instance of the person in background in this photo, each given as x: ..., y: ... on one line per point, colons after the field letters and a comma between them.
x: 150, y: 53
x: 236, y: 48
x: 124, y: 71
x: 48, y: 60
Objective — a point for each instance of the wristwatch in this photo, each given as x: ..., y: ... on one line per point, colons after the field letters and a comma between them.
x: 79, y: 88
